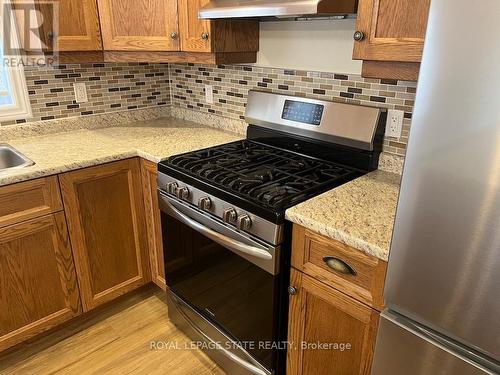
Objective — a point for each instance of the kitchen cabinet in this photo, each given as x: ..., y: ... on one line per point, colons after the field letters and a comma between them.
x: 390, y: 37
x: 170, y: 31
x: 105, y: 214
x: 78, y: 28
x: 139, y: 25
x: 223, y: 36
x: 336, y: 295
x: 28, y: 200
x: 321, y: 315
x: 156, y: 31
x: 39, y: 288
x: 196, y: 34
x: 340, y: 266
x: 153, y: 221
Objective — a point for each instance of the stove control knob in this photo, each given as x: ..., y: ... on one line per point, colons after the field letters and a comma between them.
x: 172, y: 188
x: 244, y: 222
x: 229, y: 215
x: 204, y: 204
x: 182, y: 193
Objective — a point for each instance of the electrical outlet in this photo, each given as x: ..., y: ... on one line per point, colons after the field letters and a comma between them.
x: 394, y: 125
x: 80, y: 92
x: 209, y: 94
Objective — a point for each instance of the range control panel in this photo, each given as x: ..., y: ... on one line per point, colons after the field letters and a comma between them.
x: 307, y: 113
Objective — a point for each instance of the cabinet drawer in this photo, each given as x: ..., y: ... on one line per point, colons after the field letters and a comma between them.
x: 347, y: 269
x: 28, y: 200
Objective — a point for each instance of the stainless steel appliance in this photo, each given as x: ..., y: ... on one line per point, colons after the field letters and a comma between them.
x: 277, y: 8
x: 227, y: 245
x: 443, y: 285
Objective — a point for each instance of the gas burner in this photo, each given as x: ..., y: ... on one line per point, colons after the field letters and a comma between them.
x: 265, y: 175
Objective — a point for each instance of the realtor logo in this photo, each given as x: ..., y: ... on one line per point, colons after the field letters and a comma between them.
x: 29, y: 32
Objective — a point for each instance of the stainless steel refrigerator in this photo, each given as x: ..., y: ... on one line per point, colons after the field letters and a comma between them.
x: 443, y: 284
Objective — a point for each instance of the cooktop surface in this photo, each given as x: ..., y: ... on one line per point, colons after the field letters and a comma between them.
x: 261, y: 174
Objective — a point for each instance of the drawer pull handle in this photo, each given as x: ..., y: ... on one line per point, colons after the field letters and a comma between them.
x: 339, y: 266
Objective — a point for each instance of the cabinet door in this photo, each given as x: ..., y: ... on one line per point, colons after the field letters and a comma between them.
x: 320, y: 314
x: 153, y: 222
x: 77, y: 27
x: 105, y: 213
x: 142, y: 25
x: 38, y: 285
x: 394, y: 30
x: 195, y: 33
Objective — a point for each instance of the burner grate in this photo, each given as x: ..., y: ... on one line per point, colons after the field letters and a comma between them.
x: 266, y: 175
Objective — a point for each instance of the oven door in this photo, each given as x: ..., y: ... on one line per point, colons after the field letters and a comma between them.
x: 226, y: 276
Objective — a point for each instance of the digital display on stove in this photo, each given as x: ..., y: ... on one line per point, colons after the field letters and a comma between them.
x: 307, y: 113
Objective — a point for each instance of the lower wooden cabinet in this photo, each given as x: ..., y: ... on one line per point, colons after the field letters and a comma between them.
x: 38, y: 283
x: 330, y: 332
x: 153, y: 220
x: 105, y: 214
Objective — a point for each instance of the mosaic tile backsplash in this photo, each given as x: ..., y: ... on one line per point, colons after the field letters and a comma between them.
x: 120, y: 87
x: 232, y: 83
x: 110, y: 88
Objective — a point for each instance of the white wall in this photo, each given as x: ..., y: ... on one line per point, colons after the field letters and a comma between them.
x: 308, y: 45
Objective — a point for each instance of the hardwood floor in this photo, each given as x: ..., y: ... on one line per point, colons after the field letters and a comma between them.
x: 116, y: 339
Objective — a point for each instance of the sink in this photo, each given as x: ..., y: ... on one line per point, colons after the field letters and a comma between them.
x: 11, y: 158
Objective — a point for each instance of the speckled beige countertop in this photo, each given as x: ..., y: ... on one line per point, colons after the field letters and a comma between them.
x: 153, y: 140
x: 360, y: 213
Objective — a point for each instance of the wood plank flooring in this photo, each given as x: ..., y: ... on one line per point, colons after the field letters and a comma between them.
x: 114, y: 340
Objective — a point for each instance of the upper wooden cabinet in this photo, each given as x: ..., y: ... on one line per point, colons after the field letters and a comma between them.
x: 145, y: 30
x: 391, y: 31
x: 196, y: 35
x: 39, y: 288
x: 145, y: 25
x: 78, y: 26
x: 215, y: 35
x: 105, y: 214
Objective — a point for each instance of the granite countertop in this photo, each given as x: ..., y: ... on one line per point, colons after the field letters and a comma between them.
x: 360, y: 213
x: 153, y: 140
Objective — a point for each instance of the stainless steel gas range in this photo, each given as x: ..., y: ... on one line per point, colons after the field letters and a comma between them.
x: 226, y: 241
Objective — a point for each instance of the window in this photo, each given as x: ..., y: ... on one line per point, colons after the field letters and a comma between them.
x: 14, y: 100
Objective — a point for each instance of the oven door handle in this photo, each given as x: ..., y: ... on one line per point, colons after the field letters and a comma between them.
x: 215, y: 236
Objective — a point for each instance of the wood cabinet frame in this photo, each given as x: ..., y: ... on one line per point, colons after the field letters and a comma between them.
x: 59, y: 264
x: 153, y: 221
x: 71, y: 183
x: 298, y: 324
x: 28, y: 200
x: 386, y: 56
x: 113, y: 41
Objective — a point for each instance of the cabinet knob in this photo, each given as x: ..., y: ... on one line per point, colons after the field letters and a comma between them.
x: 204, y: 36
x: 174, y: 35
x: 51, y: 35
x: 359, y: 36
x: 292, y: 290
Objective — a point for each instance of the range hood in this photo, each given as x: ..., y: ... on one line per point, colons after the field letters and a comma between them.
x: 277, y: 8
